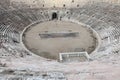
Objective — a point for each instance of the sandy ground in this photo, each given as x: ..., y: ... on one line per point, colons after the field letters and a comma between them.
x: 51, y: 47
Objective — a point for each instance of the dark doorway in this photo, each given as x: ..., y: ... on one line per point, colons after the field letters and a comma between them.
x: 54, y: 16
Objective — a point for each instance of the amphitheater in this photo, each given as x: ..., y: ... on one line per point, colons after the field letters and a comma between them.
x: 59, y: 40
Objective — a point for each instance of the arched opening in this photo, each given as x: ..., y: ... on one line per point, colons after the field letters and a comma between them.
x: 54, y: 16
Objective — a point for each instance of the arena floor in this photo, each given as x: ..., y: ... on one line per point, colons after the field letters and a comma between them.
x: 48, y: 39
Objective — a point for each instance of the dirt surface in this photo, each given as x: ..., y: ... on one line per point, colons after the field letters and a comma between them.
x: 51, y: 47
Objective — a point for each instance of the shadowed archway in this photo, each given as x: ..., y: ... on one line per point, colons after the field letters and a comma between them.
x: 54, y: 16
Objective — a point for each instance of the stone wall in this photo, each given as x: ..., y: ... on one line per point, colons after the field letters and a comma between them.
x: 60, y: 3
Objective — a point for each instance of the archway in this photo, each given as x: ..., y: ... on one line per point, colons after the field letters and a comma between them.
x: 54, y: 16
